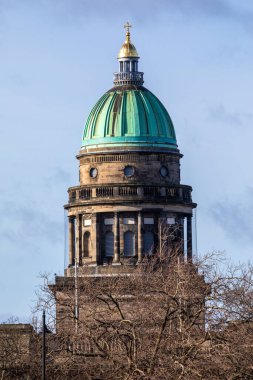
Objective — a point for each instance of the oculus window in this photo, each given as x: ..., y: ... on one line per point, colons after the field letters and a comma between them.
x: 164, y: 171
x: 93, y: 172
x: 129, y: 171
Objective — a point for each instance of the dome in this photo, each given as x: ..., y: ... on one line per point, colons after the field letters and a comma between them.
x: 128, y: 50
x: 129, y: 116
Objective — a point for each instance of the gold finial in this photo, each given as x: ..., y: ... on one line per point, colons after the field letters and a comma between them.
x: 127, y: 49
x: 127, y: 26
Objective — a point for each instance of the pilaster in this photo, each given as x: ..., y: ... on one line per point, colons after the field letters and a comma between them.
x: 116, y: 238
x: 71, y: 240
x: 139, y: 237
x: 189, y: 238
x: 78, y: 252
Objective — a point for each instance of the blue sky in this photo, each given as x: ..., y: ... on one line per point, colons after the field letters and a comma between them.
x: 57, y: 59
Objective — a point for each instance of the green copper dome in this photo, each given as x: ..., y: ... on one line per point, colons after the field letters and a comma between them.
x: 129, y: 116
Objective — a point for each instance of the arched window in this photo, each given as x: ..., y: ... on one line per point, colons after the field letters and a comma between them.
x: 148, y: 243
x: 129, y: 243
x: 86, y: 244
x: 109, y: 244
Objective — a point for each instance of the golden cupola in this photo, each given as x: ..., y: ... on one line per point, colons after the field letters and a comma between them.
x: 128, y: 57
x: 128, y: 49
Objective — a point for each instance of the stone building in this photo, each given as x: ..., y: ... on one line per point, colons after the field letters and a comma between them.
x: 129, y: 201
x: 121, y: 310
x: 128, y: 206
x: 17, y: 341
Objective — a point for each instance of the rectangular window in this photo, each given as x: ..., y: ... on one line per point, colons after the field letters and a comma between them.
x: 87, y: 222
x: 109, y: 221
x: 170, y: 220
x: 148, y: 220
x: 128, y: 221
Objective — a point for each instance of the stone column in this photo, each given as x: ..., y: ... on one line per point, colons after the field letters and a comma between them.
x: 71, y: 240
x: 189, y: 238
x: 95, y: 239
x: 160, y: 233
x: 78, y: 250
x: 116, y: 238
x: 139, y: 237
x: 180, y: 238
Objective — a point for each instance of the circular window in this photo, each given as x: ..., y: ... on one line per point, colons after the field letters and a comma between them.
x: 164, y: 171
x: 129, y: 171
x: 93, y: 172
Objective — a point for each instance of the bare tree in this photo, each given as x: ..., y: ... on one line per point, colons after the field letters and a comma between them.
x: 166, y: 319
x: 16, y: 344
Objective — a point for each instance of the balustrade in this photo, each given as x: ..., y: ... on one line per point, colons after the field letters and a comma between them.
x: 104, y: 192
x: 177, y: 193
x: 150, y: 191
x: 186, y: 195
x: 72, y: 196
x: 130, y: 157
x: 85, y: 193
x: 124, y: 77
x: 127, y: 190
x: 172, y: 192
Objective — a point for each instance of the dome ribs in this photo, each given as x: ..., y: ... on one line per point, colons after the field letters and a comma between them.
x: 129, y: 116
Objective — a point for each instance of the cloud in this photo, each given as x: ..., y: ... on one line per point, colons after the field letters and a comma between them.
x: 208, y: 7
x: 221, y: 115
x: 24, y: 226
x: 145, y: 11
x: 235, y: 218
x: 148, y: 9
x: 59, y: 175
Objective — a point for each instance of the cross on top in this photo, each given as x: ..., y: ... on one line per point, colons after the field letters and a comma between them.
x: 127, y: 26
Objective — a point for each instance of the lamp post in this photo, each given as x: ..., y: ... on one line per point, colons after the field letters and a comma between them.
x: 43, y: 345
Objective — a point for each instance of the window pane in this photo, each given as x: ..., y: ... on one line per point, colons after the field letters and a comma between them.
x: 129, y: 243
x: 109, y: 244
x: 86, y: 244
x: 148, y: 243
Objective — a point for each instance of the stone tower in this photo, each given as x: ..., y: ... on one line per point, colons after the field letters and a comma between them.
x: 129, y: 202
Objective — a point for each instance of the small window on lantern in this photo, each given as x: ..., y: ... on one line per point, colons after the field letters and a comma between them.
x: 129, y: 171
x: 93, y: 172
x: 164, y: 171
